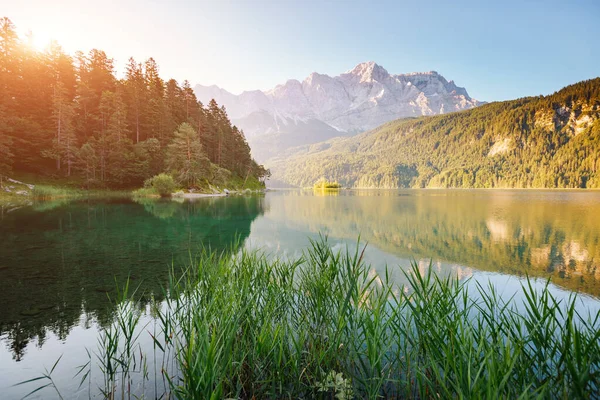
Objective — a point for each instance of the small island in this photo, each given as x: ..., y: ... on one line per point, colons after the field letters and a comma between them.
x: 324, y: 184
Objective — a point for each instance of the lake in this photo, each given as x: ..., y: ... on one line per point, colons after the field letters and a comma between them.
x: 62, y: 263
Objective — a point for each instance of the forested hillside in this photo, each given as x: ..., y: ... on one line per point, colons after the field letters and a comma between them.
x: 547, y: 141
x: 71, y: 117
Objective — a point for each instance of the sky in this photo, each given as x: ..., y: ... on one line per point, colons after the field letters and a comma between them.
x: 497, y: 50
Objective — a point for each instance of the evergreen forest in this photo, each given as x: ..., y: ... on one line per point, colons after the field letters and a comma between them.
x: 70, y: 118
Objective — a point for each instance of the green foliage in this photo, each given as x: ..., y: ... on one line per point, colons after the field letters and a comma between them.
x: 54, y: 191
x: 186, y: 158
x: 47, y: 192
x: 144, y: 192
x: 325, y: 184
x: 6, y: 155
x: 251, y: 182
x: 336, y: 384
x: 220, y: 176
x: 536, y: 142
x: 71, y: 117
x: 163, y: 184
x: 323, y: 325
x: 110, y: 230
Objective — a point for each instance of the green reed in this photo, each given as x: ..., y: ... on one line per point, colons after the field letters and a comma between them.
x: 326, y: 326
x: 55, y: 192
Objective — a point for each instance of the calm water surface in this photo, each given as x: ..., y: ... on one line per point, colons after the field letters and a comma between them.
x: 61, y: 262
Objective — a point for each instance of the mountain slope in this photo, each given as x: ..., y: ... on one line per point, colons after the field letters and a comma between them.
x: 322, y: 107
x: 546, y: 141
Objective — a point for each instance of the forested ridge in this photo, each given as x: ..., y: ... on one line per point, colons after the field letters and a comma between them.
x: 536, y: 142
x: 71, y: 117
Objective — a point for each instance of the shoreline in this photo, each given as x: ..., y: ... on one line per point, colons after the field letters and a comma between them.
x: 199, y: 195
x: 440, y: 189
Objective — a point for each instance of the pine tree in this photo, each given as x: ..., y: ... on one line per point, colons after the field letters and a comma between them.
x: 188, y: 98
x: 87, y: 162
x: 102, y: 141
x: 8, y: 44
x: 50, y: 102
x: 6, y: 155
x: 135, y: 89
x: 64, y: 145
x: 185, y: 157
x: 117, y: 121
x: 84, y: 98
x: 62, y: 69
x: 174, y: 109
x: 152, y: 156
x: 213, y: 136
x: 155, y: 121
x: 9, y: 61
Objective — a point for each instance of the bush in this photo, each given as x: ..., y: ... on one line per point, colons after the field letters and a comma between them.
x: 162, y: 183
x: 325, y: 184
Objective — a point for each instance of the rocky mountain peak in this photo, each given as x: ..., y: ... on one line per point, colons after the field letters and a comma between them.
x: 321, y: 106
x: 369, y: 71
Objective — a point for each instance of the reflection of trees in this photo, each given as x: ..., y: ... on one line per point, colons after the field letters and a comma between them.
x: 326, y: 192
x: 554, y: 234
x: 68, y: 260
x: 160, y: 208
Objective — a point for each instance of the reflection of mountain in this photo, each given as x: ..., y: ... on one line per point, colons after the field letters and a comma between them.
x: 60, y: 263
x: 542, y: 234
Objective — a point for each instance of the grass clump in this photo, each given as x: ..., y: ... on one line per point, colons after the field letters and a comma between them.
x: 325, y: 326
x: 49, y: 192
x: 144, y: 192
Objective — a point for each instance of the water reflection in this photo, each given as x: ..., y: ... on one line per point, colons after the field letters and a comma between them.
x: 63, y: 263
x: 540, y: 233
x: 326, y: 192
x: 60, y: 262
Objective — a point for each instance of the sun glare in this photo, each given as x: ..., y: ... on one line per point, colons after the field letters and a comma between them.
x: 39, y: 40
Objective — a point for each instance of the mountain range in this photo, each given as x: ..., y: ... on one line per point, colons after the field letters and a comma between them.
x: 534, y: 142
x: 322, y: 107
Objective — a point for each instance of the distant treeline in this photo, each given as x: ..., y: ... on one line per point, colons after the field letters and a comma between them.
x: 71, y: 117
x: 536, y: 142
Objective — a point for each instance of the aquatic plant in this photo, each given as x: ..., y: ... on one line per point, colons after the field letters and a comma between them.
x: 47, y: 192
x: 325, y: 326
x: 52, y: 192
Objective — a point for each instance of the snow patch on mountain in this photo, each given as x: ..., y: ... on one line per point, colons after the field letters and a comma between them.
x: 357, y: 100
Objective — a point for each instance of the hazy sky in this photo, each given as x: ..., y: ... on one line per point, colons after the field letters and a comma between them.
x: 496, y: 49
